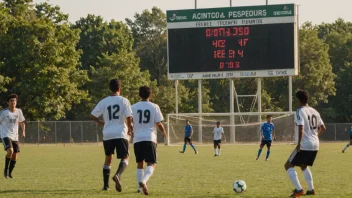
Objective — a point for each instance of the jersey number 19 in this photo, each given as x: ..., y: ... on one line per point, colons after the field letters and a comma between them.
x: 146, y: 116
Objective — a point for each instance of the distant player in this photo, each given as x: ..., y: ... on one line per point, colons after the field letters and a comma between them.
x: 310, y: 127
x: 267, y: 131
x: 145, y: 116
x: 9, y: 120
x: 115, y: 109
x: 218, y: 133
x: 188, y: 137
x: 348, y: 145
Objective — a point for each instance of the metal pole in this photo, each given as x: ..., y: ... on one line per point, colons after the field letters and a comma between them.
x: 259, y: 92
x: 176, y: 95
x: 230, y: 3
x: 290, y: 94
x: 232, y: 117
x: 200, y: 132
x: 55, y: 134
x: 335, y: 131
x: 82, y: 132
x: 195, y: 4
x: 267, y: 2
x: 38, y: 134
x: 70, y: 133
x: 168, y: 130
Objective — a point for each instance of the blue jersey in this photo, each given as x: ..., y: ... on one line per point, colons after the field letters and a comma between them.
x: 267, y: 129
x: 188, y: 129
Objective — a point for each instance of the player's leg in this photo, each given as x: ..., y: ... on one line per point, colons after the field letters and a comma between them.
x: 9, y: 151
x: 268, y: 145
x: 219, y: 147
x: 139, y: 154
x: 309, y: 160
x: 184, y: 145
x: 150, y: 159
x: 292, y: 161
x: 109, y: 151
x: 347, y: 145
x: 123, y: 154
x: 16, y: 150
x: 260, y: 149
x: 215, y: 148
x: 194, y: 148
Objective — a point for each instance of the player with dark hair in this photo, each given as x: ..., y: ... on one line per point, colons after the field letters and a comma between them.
x: 310, y: 127
x: 114, y: 109
x: 188, y: 137
x: 218, y: 133
x: 146, y: 115
x: 10, y: 117
x: 267, y: 131
x: 350, y: 143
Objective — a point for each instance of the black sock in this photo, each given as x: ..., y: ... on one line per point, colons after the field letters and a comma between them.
x: 7, y: 161
x: 122, y: 167
x: 12, y: 166
x: 106, y: 175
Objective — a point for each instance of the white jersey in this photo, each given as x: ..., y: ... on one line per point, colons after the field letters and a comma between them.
x: 9, y: 123
x: 310, y: 119
x: 114, y: 110
x: 218, y: 132
x: 145, y: 116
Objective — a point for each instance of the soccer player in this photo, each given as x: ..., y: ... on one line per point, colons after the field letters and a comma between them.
x: 267, y: 131
x: 348, y: 145
x: 10, y: 117
x: 115, y: 109
x: 310, y: 127
x: 218, y: 132
x: 188, y: 137
x: 146, y: 115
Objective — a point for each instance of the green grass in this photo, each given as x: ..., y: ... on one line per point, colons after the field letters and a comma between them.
x: 76, y: 171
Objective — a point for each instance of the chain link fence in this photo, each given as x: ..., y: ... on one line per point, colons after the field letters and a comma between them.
x: 88, y: 132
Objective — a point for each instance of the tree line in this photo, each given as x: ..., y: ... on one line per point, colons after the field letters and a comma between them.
x: 61, y: 69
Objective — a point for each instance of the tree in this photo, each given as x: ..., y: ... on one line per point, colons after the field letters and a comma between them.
x: 41, y: 61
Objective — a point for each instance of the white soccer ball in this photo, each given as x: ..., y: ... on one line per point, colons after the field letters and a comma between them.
x: 239, y: 186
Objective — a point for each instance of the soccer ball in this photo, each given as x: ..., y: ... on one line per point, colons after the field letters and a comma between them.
x: 239, y: 186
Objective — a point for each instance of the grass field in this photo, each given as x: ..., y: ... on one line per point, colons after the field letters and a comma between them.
x: 76, y: 171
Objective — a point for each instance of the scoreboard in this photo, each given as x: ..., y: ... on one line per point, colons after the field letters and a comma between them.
x: 254, y: 41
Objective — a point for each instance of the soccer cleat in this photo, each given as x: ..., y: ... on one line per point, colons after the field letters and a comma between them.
x: 257, y: 158
x: 5, y: 173
x: 297, y: 193
x: 343, y: 151
x: 140, y: 190
x: 267, y: 159
x: 105, y: 188
x: 144, y: 188
x: 182, y: 152
x: 311, y: 192
x: 117, y: 183
x: 196, y: 152
x: 10, y: 175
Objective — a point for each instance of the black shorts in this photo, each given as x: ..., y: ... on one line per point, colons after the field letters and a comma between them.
x: 302, y: 158
x: 189, y: 140
x: 145, y: 151
x: 121, y: 146
x: 8, y: 143
x: 266, y: 142
x: 216, y: 142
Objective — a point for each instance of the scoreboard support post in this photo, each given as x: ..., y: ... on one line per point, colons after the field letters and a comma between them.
x: 290, y: 94
x: 232, y: 118
x: 176, y: 96
x: 200, y: 131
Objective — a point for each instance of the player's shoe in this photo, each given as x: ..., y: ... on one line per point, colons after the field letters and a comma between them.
x: 182, y: 152
x: 105, y: 188
x: 267, y: 159
x: 5, y: 173
x: 311, y: 192
x: 297, y: 193
x: 117, y: 183
x: 10, y: 175
x: 144, y: 188
x: 215, y: 155
x: 343, y: 151
x: 196, y: 152
x: 257, y: 158
x: 140, y: 190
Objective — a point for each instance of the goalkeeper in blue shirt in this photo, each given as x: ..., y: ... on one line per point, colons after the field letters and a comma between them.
x: 268, y: 134
x: 188, y: 137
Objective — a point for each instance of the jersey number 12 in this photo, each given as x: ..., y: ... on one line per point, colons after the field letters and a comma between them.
x: 113, y: 110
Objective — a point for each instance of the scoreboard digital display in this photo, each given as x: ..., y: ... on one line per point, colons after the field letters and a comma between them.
x: 256, y: 41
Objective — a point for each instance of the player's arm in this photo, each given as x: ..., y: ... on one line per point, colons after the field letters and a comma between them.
x: 223, y: 135
x: 97, y: 120
x: 191, y: 132
x: 161, y: 128
x: 274, y: 136
x: 129, y: 126
x: 300, y: 125
x: 23, y: 127
x: 322, y: 127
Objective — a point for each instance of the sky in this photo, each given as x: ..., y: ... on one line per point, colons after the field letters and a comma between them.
x: 315, y: 11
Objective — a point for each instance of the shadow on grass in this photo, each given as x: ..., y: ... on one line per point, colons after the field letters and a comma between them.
x: 58, y: 192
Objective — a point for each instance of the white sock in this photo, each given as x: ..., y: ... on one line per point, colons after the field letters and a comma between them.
x: 216, y: 151
x: 309, y: 178
x: 148, y: 173
x: 219, y: 151
x: 292, y: 174
x: 140, y: 174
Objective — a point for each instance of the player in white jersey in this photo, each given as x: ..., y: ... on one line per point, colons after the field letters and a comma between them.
x: 9, y: 120
x: 310, y: 127
x: 146, y: 115
x: 115, y: 110
x: 218, y: 133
